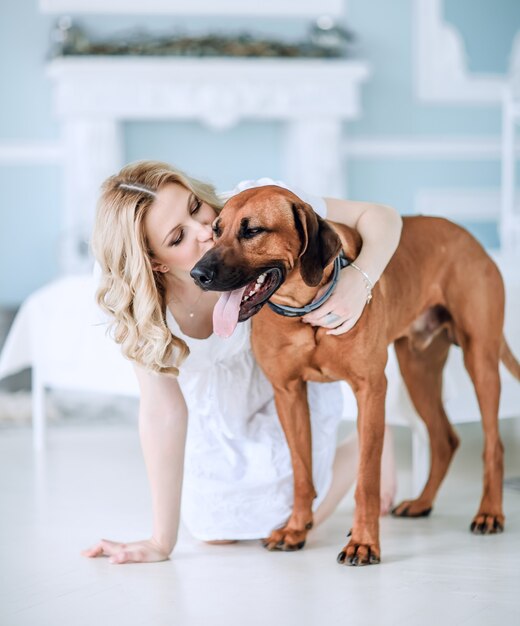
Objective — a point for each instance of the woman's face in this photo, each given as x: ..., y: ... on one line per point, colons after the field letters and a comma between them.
x: 178, y: 229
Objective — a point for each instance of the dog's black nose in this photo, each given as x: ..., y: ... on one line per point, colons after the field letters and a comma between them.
x: 202, y: 275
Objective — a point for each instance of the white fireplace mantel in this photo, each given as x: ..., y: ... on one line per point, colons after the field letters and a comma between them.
x: 92, y: 95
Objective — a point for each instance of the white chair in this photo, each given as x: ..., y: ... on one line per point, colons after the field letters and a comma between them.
x: 59, y: 332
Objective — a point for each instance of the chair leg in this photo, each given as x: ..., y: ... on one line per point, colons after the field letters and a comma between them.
x: 38, y: 410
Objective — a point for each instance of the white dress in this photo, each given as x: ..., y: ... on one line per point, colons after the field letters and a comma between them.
x: 238, y: 480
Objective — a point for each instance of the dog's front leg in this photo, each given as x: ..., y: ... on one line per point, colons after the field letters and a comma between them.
x: 293, y: 412
x: 363, y: 547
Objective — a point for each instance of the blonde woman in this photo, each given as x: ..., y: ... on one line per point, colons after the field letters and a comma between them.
x: 153, y: 224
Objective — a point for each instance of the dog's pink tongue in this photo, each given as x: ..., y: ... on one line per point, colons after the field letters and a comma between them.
x: 225, y: 313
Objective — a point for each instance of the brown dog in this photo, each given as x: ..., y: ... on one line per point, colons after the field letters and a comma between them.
x: 440, y: 288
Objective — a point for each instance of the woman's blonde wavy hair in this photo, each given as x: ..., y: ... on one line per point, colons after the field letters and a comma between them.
x: 129, y: 290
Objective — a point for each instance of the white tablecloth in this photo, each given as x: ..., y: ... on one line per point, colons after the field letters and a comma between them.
x: 59, y: 329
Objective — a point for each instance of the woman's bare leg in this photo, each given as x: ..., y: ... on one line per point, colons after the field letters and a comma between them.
x: 344, y: 475
x: 388, y: 473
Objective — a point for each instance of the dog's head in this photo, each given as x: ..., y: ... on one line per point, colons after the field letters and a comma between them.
x: 262, y: 236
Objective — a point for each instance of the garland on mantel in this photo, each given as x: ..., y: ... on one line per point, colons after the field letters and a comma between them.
x: 325, y: 39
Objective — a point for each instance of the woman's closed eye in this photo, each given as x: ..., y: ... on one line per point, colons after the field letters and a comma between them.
x: 176, y: 240
x: 194, y: 209
x: 196, y: 206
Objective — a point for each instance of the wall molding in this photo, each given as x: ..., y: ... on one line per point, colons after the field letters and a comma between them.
x: 406, y: 147
x: 379, y: 147
x: 30, y: 152
x: 459, y: 204
x: 440, y: 66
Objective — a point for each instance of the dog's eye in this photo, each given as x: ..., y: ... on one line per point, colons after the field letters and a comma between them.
x: 251, y: 232
x: 216, y: 230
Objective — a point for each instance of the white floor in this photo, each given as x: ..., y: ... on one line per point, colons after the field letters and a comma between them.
x: 91, y: 483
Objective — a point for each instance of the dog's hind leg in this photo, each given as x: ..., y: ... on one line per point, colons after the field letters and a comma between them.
x: 422, y: 374
x: 479, y: 315
x: 481, y: 357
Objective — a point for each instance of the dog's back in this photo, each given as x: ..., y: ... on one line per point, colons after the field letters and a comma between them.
x: 439, y: 275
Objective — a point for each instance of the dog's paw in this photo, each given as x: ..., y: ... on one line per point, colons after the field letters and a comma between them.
x: 286, y: 539
x: 487, y: 524
x: 412, y: 508
x: 355, y: 553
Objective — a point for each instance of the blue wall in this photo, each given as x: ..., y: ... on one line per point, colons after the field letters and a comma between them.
x: 29, y: 226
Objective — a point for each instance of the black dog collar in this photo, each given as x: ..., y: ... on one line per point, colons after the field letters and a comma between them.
x: 340, y: 262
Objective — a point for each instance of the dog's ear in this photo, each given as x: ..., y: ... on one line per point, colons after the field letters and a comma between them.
x: 319, y: 243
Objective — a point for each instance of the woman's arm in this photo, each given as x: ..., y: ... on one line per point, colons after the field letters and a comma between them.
x: 380, y: 228
x: 163, y: 420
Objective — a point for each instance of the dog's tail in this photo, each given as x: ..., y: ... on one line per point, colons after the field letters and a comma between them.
x: 509, y: 360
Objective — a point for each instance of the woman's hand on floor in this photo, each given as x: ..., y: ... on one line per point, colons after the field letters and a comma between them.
x: 146, y: 551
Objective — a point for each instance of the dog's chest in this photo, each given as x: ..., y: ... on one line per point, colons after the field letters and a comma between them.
x: 317, y: 375
x: 320, y: 367
x: 330, y: 358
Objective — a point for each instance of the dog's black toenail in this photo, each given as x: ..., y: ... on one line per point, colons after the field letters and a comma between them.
x: 289, y: 547
x: 341, y: 557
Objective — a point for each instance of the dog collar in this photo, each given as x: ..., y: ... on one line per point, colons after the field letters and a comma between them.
x: 340, y: 262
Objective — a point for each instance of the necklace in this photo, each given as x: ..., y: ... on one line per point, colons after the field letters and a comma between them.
x: 190, y: 310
